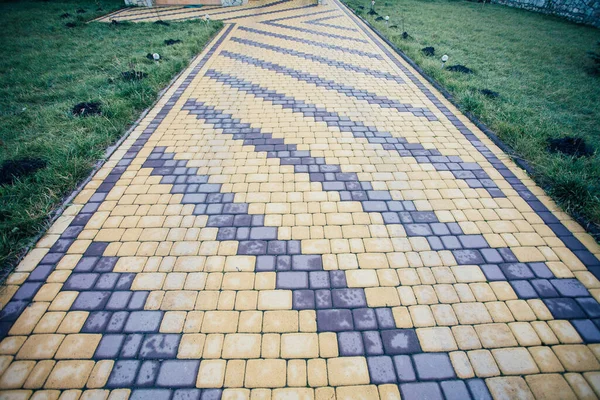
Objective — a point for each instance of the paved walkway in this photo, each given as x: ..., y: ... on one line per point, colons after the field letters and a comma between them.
x: 303, y: 216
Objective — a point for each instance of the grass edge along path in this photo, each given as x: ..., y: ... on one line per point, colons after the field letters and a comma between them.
x: 572, y: 182
x: 36, y: 118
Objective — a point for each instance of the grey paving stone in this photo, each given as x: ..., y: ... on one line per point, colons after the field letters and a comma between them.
x: 147, y: 394
x: 364, y: 318
x: 80, y: 281
x: 187, y: 394
x: 96, y: 322
x: 90, y: 301
x: 337, y: 279
x: 302, y: 262
x: 564, y: 308
x: 109, y: 346
x: 517, y: 271
x: 137, y: 301
x: 350, y: 344
x: 455, y: 390
x: 523, y: 289
x: 421, y: 391
x: 123, y: 374
x: 211, y: 394
x: 303, y: 300
x: 292, y: 280
x: 143, y: 321
x: 570, y: 287
x: 492, y: 272
x: 334, y: 320
x: 27, y: 291
x: 319, y: 279
x: 587, y: 330
x: 178, y: 373
x: 590, y: 306
x: 479, y: 390
x: 131, y: 346
x: 433, y: 366
x: 118, y: 300
x: 468, y: 257
x: 373, y: 343
x: 400, y: 341
x: 404, y: 368
x: 147, y: 374
x: 381, y: 370
x: 385, y: 318
x: 159, y: 346
x: 323, y: 298
x: 348, y: 298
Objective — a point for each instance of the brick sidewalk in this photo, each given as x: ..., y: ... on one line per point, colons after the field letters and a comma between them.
x: 302, y: 216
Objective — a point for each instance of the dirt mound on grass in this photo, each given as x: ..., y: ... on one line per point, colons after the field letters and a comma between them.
x: 460, y: 68
x: 171, y: 42
x: 87, y: 109
x: 11, y: 170
x: 133, y: 75
x: 428, y: 51
x: 571, y: 146
x: 489, y: 93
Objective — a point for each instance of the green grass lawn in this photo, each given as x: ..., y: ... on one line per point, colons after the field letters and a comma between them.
x: 45, y: 69
x: 539, y: 66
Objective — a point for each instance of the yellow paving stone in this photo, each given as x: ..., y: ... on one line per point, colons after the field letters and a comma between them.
x: 362, y: 278
x: 250, y: 321
x: 580, y: 386
x: 389, y: 392
x: 260, y: 394
x: 39, y: 347
x: 275, y: 300
x: 211, y: 374
x: 299, y: 345
x: 495, y: 335
x: 220, y: 322
x: 564, y: 331
x: 191, y: 345
x: 461, y: 364
x: 265, y: 373
x: 100, y: 373
x: 466, y: 337
x: 545, y: 359
x: 548, y: 386
x: 507, y: 388
x: 12, y: 344
x: 593, y: 378
x: 280, y: 321
x: 317, y: 372
x: 271, y: 345
x: 436, y: 339
x: 483, y: 363
x: 28, y: 319
x: 241, y: 345
x: 79, y: 346
x: 347, y: 371
x: 296, y: 373
x: 357, y: 392
x: 307, y: 320
x: 213, y: 345
x: 39, y: 374
x: 70, y: 374
x: 576, y: 358
x: 15, y: 375
x: 515, y: 361
x: 234, y: 373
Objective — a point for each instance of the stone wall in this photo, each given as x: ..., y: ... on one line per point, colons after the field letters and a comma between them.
x: 583, y: 11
